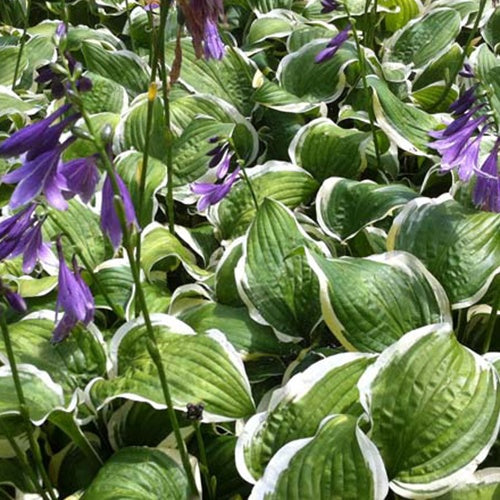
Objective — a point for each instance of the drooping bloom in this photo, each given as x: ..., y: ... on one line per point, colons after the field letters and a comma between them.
x: 221, y: 159
x: 81, y: 177
x: 201, y: 20
x: 487, y: 189
x: 40, y: 175
x: 211, y: 194
x: 333, y: 46
x: 12, y: 298
x: 329, y: 6
x: 73, y: 296
x: 110, y: 221
x: 33, y: 135
x: 21, y: 234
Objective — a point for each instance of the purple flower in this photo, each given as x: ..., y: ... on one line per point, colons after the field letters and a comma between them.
x: 40, y: 175
x: 22, y: 234
x: 333, y: 46
x: 329, y: 6
x: 467, y: 72
x: 452, y: 146
x: 214, y: 48
x: 81, y: 177
x: 61, y: 30
x: 151, y: 5
x: 467, y: 163
x: 213, y: 193
x: 110, y: 221
x: 31, y: 136
x: 464, y: 102
x: 12, y: 298
x: 221, y: 159
x: 487, y: 189
x: 73, y: 297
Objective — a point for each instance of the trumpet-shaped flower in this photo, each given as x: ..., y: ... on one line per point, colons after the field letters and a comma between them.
x: 81, y: 177
x: 333, y: 46
x: 110, y: 222
x: 74, y: 297
x: 211, y: 194
x: 487, y: 189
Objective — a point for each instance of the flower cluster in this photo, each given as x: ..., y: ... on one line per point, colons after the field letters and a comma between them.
x: 212, y: 193
x: 44, y: 177
x: 459, y: 145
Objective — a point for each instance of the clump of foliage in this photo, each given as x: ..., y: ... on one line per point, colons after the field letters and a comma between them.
x: 249, y: 249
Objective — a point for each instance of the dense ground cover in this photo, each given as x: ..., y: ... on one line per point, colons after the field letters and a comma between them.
x: 248, y: 249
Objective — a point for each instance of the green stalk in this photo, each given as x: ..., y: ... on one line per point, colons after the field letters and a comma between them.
x: 164, y: 9
x: 23, y: 42
x: 204, y: 462
x: 362, y: 62
x: 30, y: 473
x: 461, y: 61
x: 86, y: 264
x: 491, y: 321
x: 241, y: 163
x: 23, y: 408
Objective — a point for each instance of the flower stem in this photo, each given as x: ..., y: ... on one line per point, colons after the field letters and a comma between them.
x: 135, y: 264
x: 164, y: 9
x: 241, y: 163
x: 204, y: 462
x: 154, y: 352
x: 491, y: 321
x: 23, y: 408
x: 23, y: 43
x: 362, y: 62
x: 460, y: 63
x: 28, y: 471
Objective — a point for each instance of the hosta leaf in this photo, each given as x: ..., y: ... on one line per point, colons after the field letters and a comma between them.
x: 226, y: 289
x: 278, y: 180
x: 229, y: 79
x: 82, y: 224
x: 11, y: 104
x: 264, y: 6
x: 297, y: 409
x: 464, y: 254
x: 11, y: 474
x: 248, y: 337
x: 301, y: 76
x: 105, y: 96
x: 199, y: 367
x: 9, y: 56
x: 425, y: 38
x: 71, y: 364
x: 434, y: 408
x: 279, y: 289
x: 122, y: 66
x: 305, y: 33
x: 275, y: 24
x: 42, y: 395
x: 491, y: 31
x: 114, y: 278
x: 369, y: 303
x: 135, y: 424
x: 351, y: 466
x: 139, y: 473
x: 271, y: 95
x: 344, y: 207
x: 158, y: 244
x: 483, y: 484
x: 406, y: 10
x: 324, y: 149
x: 403, y: 123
